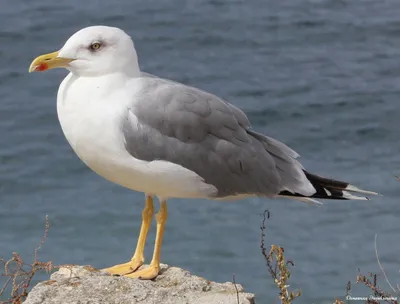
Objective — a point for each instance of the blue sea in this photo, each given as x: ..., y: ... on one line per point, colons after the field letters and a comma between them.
x: 323, y: 76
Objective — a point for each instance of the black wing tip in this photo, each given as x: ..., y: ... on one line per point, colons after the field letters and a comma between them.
x: 331, y: 189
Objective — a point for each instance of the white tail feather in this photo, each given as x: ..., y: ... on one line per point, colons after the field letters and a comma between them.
x: 348, y: 195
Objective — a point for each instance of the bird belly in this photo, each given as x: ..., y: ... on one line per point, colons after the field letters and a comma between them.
x: 94, y: 143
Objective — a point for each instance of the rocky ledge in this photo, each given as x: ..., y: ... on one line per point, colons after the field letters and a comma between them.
x: 86, y: 285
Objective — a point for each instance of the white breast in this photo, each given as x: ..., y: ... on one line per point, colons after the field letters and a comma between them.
x: 91, y: 126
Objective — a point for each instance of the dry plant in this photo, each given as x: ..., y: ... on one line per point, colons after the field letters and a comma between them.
x: 370, y: 281
x: 18, y: 274
x: 277, y: 266
x: 378, y: 294
x: 280, y: 274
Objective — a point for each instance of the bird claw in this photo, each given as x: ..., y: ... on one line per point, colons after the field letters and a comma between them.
x: 148, y: 273
x: 125, y: 268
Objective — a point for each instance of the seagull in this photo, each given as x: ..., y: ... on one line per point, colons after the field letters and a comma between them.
x: 167, y: 139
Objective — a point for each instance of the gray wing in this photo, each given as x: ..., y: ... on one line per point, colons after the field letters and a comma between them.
x: 202, y: 133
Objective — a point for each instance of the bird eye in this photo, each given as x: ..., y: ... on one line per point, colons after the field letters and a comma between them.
x: 95, y: 46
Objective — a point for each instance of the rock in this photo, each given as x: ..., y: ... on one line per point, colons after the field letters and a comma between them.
x: 87, y: 285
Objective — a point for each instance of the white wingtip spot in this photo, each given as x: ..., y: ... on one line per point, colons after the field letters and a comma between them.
x: 349, y: 196
x: 328, y: 193
x: 355, y: 189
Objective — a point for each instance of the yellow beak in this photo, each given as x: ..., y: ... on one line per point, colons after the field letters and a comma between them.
x: 48, y: 61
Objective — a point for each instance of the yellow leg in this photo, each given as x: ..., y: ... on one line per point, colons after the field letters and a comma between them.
x: 152, y: 271
x: 138, y: 257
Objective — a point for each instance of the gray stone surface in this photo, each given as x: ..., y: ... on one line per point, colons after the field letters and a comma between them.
x: 86, y: 285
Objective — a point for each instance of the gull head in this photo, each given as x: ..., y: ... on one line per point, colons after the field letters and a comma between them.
x: 92, y: 51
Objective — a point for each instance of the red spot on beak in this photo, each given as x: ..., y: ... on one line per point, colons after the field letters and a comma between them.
x: 42, y: 67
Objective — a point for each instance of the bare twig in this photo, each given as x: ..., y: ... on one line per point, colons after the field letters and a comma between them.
x: 237, y: 291
x: 348, y: 288
x: 380, y: 265
x: 263, y: 228
x: 46, y: 232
